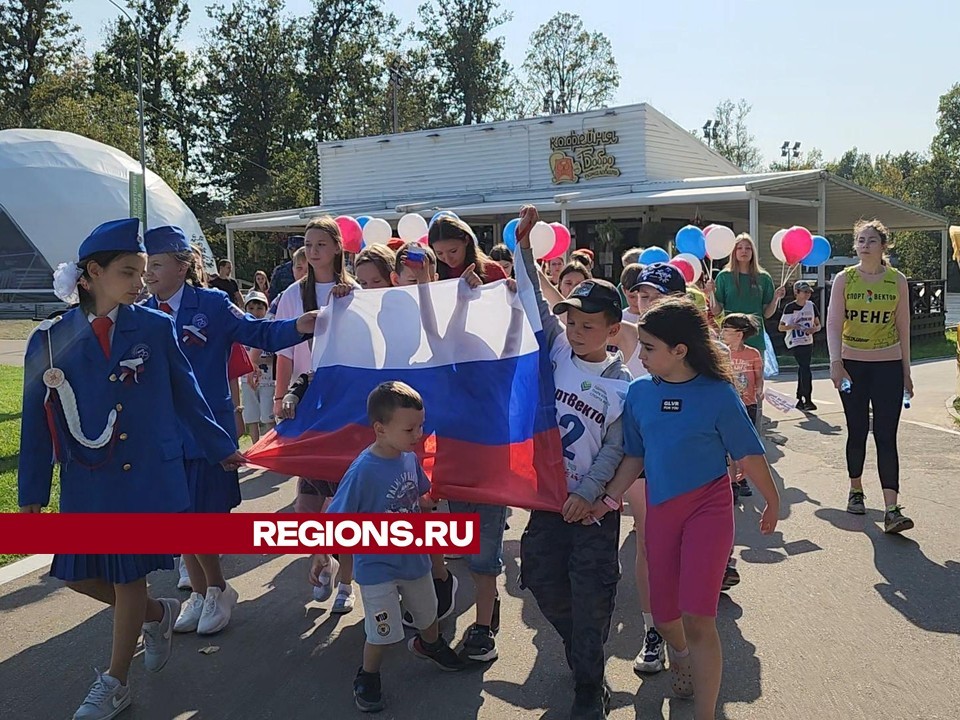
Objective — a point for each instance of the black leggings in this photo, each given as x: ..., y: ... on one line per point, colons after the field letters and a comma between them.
x: 803, y: 354
x: 876, y: 385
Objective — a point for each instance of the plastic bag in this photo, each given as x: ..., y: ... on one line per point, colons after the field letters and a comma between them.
x: 771, y: 368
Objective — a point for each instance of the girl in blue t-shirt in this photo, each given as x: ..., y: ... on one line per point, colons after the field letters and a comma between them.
x: 679, y: 425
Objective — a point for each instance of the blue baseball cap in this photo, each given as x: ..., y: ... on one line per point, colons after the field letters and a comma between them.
x: 113, y: 236
x: 166, y: 239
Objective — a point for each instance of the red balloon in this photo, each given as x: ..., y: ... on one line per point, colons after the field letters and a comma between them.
x: 350, y: 233
x: 561, y: 241
x: 424, y: 240
x: 685, y: 268
x: 797, y: 244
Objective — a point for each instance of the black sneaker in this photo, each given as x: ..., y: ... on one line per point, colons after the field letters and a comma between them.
x: 588, y: 703
x: 446, y: 595
x: 495, y: 618
x: 440, y: 654
x: 745, y: 490
x: 894, y: 521
x: 653, y: 655
x: 809, y: 406
x: 731, y: 578
x: 480, y: 645
x: 855, y: 503
x: 366, y: 692
x: 446, y: 591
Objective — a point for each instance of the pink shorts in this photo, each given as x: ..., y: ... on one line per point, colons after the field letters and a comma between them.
x: 688, y: 543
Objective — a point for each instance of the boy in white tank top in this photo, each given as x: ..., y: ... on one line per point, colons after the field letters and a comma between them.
x: 570, y: 563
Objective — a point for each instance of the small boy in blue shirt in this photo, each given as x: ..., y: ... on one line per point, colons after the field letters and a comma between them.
x: 387, y: 477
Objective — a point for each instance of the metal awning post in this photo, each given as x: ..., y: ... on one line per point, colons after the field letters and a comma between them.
x: 944, y: 258
x: 822, y: 231
x: 230, y: 246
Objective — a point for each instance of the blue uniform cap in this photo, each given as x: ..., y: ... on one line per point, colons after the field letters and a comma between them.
x: 166, y: 239
x: 113, y: 236
x: 294, y: 242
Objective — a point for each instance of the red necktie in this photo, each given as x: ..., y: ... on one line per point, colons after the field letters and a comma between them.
x: 164, y: 307
x: 101, y: 328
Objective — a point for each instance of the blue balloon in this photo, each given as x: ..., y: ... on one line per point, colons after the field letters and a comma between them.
x: 363, y: 220
x: 820, y: 252
x: 690, y: 239
x: 443, y: 213
x: 654, y: 255
x: 510, y: 234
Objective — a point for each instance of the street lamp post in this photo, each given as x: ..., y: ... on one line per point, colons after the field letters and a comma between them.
x: 397, y: 68
x: 143, y: 142
x: 790, y: 153
x: 711, y: 131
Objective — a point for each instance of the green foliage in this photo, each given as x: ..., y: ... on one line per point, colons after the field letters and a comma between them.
x: 37, y: 39
x: 568, y: 67
x: 472, y: 71
x: 734, y: 140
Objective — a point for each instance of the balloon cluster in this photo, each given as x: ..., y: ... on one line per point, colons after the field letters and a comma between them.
x: 548, y: 241
x: 359, y: 232
x: 798, y: 246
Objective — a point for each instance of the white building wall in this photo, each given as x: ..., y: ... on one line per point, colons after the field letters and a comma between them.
x: 511, y: 157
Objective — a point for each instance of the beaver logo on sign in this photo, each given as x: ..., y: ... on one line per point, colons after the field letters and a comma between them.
x: 583, y: 156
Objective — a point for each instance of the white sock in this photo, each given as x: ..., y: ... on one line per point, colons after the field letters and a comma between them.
x: 677, y: 655
x: 648, y: 621
x: 345, y: 587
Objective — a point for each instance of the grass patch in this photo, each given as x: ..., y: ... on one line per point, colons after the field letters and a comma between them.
x: 11, y: 400
x: 16, y: 329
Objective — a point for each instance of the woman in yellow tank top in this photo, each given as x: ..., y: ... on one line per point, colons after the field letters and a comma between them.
x: 868, y: 332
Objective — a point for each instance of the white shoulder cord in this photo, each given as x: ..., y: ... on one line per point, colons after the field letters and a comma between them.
x: 55, y: 380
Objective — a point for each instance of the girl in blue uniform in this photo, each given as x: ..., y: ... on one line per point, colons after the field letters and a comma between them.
x: 106, y: 389
x: 208, y: 324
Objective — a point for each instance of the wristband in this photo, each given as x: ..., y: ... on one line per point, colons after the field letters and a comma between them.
x: 277, y: 399
x: 610, y: 502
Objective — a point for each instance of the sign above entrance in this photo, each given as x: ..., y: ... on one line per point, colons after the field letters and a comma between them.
x: 583, y: 156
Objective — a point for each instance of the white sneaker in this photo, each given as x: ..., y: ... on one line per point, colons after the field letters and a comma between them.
x: 158, y: 636
x: 107, y: 699
x: 217, y: 608
x: 344, y: 602
x: 190, y: 613
x: 184, y: 582
x: 327, y: 577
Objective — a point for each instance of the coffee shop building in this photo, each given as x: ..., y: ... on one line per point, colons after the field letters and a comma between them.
x: 617, y: 177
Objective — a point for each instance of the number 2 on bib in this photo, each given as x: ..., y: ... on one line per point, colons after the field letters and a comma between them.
x: 575, y: 429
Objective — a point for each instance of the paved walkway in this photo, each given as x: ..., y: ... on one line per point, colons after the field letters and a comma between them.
x: 833, y: 619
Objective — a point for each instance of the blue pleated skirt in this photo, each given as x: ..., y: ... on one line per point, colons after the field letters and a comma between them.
x: 212, y: 489
x: 118, y: 569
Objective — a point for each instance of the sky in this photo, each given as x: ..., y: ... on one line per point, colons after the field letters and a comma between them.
x: 831, y: 74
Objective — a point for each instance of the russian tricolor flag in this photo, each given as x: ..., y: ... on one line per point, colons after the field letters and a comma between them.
x: 478, y: 359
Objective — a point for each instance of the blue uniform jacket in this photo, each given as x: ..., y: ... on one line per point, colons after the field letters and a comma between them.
x: 142, y: 470
x: 208, y: 324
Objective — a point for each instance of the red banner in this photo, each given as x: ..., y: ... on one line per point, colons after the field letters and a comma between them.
x: 239, y: 533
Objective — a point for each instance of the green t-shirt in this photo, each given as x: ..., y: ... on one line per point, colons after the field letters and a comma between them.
x: 747, y: 298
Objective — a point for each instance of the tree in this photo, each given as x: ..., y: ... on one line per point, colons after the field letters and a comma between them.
x: 255, y: 115
x: 734, y: 140
x: 169, y: 75
x: 472, y: 71
x: 568, y: 67
x: 37, y: 39
x: 345, y: 78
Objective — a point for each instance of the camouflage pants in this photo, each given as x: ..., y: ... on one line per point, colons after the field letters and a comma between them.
x: 572, y: 571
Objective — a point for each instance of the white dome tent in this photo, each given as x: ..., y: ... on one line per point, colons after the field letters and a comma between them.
x: 55, y: 187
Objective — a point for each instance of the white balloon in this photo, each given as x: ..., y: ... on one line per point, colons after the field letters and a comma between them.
x: 695, y: 262
x: 720, y: 241
x: 412, y: 227
x: 542, y: 239
x: 776, y: 245
x: 377, y: 232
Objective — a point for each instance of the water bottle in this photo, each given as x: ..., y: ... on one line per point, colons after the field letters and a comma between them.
x: 907, y: 395
x: 845, y: 385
